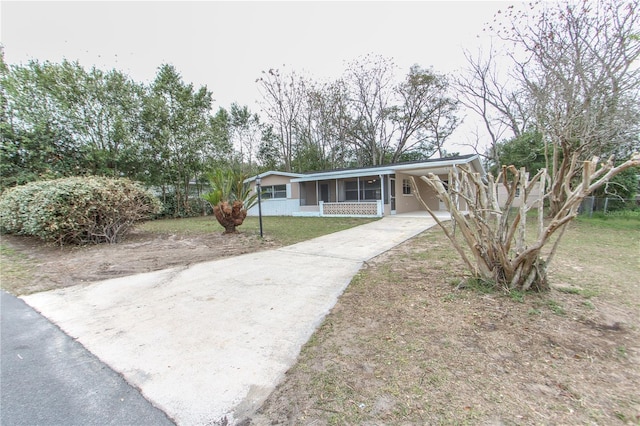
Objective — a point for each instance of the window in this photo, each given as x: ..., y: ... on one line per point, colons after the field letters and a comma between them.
x: 406, y: 187
x: 274, y: 191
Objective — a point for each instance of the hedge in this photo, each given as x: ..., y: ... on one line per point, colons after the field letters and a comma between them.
x: 76, y: 210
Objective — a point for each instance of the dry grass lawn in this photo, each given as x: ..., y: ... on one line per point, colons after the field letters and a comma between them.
x: 405, y: 345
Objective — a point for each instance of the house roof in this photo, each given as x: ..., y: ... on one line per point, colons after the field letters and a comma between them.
x: 417, y: 168
x: 275, y: 173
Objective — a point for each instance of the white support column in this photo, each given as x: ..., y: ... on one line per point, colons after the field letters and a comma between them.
x: 381, y: 195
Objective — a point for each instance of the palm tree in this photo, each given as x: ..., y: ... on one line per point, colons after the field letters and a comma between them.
x: 230, y: 198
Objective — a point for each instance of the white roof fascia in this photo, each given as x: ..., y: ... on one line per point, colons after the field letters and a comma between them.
x: 436, y: 164
x: 390, y: 169
x: 344, y: 174
x: 273, y: 172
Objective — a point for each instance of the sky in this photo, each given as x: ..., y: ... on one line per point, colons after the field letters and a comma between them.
x: 226, y: 45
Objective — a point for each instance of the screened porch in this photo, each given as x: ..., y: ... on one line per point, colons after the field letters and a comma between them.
x: 359, y: 195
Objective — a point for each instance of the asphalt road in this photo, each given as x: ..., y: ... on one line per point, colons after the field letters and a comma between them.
x: 47, y: 378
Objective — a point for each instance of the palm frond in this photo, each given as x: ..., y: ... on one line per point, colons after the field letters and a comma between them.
x: 228, y: 185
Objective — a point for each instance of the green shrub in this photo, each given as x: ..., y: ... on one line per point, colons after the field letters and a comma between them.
x: 76, y: 210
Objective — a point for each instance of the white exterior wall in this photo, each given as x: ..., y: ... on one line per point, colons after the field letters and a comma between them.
x: 517, y: 201
x: 276, y: 207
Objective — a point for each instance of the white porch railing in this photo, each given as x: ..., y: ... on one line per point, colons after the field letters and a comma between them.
x: 363, y: 208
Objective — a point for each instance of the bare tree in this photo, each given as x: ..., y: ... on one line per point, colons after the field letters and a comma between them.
x: 425, y: 114
x: 283, y: 96
x: 246, y: 132
x: 502, y: 108
x: 578, y: 87
x: 369, y: 81
x: 494, y: 232
x: 322, y: 124
x: 333, y: 109
x: 585, y: 90
x: 576, y: 63
x: 391, y: 119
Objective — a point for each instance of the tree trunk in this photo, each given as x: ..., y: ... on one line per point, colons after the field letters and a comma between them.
x: 230, y: 215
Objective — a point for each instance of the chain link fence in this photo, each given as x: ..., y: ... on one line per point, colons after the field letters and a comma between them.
x: 609, y: 205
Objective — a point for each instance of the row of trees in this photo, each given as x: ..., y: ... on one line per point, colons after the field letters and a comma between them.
x: 366, y: 117
x: 62, y: 119
x: 563, y: 87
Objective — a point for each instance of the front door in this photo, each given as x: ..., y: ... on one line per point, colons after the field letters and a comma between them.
x: 324, y: 192
x: 392, y: 195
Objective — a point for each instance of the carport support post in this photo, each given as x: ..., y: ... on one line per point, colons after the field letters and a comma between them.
x: 258, y: 182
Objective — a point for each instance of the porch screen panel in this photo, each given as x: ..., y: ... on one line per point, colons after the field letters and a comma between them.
x: 342, y: 192
x: 351, y: 190
x: 308, y: 194
x: 371, y: 190
x: 367, y: 189
x: 302, y: 187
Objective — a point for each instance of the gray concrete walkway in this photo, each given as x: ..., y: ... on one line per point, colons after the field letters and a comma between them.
x: 211, y: 341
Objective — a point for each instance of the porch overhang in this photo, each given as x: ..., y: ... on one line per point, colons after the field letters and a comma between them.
x: 270, y: 173
x: 346, y: 174
x: 436, y: 166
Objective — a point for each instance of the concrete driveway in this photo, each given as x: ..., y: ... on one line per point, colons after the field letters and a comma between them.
x: 211, y: 341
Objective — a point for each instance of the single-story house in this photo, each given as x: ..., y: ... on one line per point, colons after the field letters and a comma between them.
x: 367, y: 191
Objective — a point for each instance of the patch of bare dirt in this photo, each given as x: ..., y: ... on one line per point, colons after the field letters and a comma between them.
x: 53, y: 266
